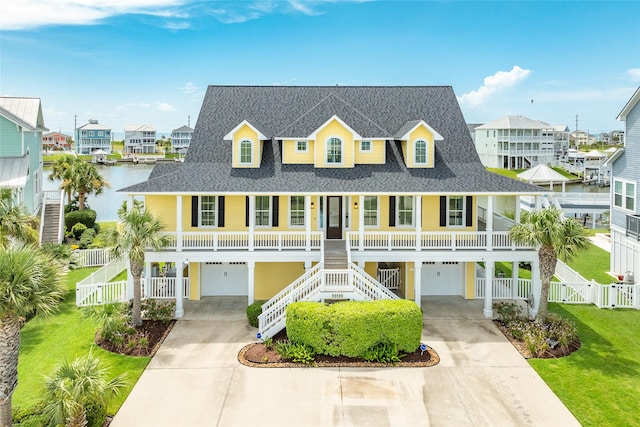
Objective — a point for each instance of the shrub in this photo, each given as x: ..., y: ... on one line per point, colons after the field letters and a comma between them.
x: 155, y: 310
x: 351, y: 328
x: 86, y: 239
x: 383, y: 352
x: 561, y: 329
x: 77, y: 230
x: 85, y: 216
x: 535, y: 338
x: 253, y: 311
x: 507, y: 311
x: 296, y: 352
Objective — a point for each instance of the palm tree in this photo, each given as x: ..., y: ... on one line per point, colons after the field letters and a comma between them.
x: 139, y: 230
x: 62, y: 169
x: 557, y: 237
x: 15, y: 222
x: 30, y: 282
x: 79, y: 391
x: 86, y: 179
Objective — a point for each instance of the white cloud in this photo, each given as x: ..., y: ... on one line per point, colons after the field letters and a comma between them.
x: 137, y: 106
x: 177, y: 25
x: 189, y: 88
x: 634, y: 74
x: 493, y: 84
x: 163, y: 106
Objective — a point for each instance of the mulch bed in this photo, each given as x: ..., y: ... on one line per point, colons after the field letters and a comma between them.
x: 550, y: 353
x: 155, y: 331
x: 258, y: 356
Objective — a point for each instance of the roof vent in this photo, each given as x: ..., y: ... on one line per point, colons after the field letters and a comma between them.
x: 93, y: 121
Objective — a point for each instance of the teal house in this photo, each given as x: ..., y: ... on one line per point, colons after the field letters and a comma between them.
x: 21, y: 128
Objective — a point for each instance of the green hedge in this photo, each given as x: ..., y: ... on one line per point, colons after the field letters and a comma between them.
x: 350, y: 328
x: 253, y: 311
x: 85, y: 216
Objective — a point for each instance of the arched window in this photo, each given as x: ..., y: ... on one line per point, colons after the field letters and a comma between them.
x: 420, y: 152
x: 334, y: 150
x: 246, y: 152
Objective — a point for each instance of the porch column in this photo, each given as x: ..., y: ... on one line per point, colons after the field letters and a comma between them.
x: 418, y: 220
x: 538, y: 203
x: 147, y: 280
x: 307, y: 221
x: 489, y: 267
x: 361, y: 264
x: 361, y: 223
x: 252, y: 220
x: 536, y: 285
x: 251, y: 274
x: 178, y: 223
x: 417, y: 282
x: 490, y: 222
x: 307, y: 265
x: 179, y: 288
x: 514, y: 279
x: 517, y: 210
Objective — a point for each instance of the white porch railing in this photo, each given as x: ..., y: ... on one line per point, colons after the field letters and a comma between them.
x: 164, y: 288
x: 446, y: 240
x: 93, y: 257
x: 318, y: 284
x: 234, y: 240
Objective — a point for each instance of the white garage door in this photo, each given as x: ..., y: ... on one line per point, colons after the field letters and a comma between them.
x: 223, y: 278
x: 442, y: 278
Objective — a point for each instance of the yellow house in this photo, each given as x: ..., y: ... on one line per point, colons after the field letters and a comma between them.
x: 291, y: 193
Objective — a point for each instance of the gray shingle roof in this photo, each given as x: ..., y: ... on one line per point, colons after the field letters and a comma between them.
x: 369, y: 110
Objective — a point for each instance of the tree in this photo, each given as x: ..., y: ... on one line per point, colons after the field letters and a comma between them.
x: 86, y: 179
x: 556, y: 237
x: 138, y: 231
x: 30, y: 283
x: 78, y: 392
x: 62, y: 169
x: 15, y: 222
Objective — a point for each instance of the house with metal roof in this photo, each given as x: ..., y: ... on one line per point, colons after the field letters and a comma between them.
x: 91, y: 137
x: 139, y: 139
x: 332, y: 192
x: 625, y: 193
x: 21, y: 128
x: 518, y: 142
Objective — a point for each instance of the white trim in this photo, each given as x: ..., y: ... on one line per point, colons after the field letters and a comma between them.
x: 240, y: 162
x: 355, y: 134
x: 426, y: 152
x: 215, y: 210
x: 624, y: 183
x: 370, y: 150
x: 229, y: 136
x: 464, y: 213
x: 436, y: 135
x: 326, y: 152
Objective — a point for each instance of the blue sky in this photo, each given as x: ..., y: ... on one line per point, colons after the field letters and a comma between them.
x: 150, y: 61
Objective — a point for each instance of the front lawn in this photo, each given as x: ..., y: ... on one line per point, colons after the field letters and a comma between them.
x: 592, y: 264
x: 599, y: 383
x: 47, y: 342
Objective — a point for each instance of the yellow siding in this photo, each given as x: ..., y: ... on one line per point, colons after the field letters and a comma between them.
x: 431, y: 216
x: 272, y: 277
x: 245, y: 132
x: 423, y: 133
x: 194, y: 281
x: 163, y: 208
x: 371, y: 268
x: 234, y: 213
x: 410, y: 286
x: 334, y: 129
x: 470, y: 278
x: 291, y: 156
x: 376, y: 156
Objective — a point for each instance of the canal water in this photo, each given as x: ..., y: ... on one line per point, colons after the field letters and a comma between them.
x: 119, y: 176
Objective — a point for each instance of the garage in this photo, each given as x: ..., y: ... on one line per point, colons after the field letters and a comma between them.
x: 442, y: 278
x: 223, y: 279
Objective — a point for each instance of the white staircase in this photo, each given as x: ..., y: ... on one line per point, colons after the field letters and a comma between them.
x: 319, y: 284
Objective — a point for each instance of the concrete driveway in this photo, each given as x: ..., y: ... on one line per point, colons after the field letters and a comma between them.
x: 196, y: 380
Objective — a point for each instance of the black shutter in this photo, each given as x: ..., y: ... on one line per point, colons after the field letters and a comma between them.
x: 443, y: 211
x: 274, y: 211
x: 221, y: 211
x: 194, y: 211
x: 246, y: 212
x: 469, y: 207
x: 392, y: 211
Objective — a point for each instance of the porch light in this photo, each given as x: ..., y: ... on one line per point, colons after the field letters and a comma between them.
x: 355, y: 205
x: 313, y: 205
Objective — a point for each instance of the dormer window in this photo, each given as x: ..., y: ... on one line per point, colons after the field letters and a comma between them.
x: 301, y: 146
x: 334, y: 151
x: 420, y: 152
x: 365, y: 146
x: 246, y: 152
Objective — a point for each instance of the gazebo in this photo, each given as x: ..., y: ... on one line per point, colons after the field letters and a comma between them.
x: 99, y: 156
x: 594, y: 154
x: 542, y: 174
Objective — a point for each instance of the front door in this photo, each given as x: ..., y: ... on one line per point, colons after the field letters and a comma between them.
x: 334, y: 217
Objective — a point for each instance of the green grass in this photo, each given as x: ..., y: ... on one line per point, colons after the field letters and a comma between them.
x: 47, y: 342
x: 592, y: 264
x: 599, y: 383
x: 514, y: 173
x: 100, y: 240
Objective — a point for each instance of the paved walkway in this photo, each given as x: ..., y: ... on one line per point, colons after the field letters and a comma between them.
x: 195, y: 380
x: 601, y: 240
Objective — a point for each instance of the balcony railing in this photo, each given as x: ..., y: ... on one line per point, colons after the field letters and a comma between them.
x: 243, y: 240
x: 633, y: 226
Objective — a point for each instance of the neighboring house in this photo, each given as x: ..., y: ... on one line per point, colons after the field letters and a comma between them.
x: 625, y: 192
x: 181, y: 138
x: 55, y: 141
x: 21, y: 128
x: 91, y: 137
x: 284, y: 183
x: 139, y: 139
x: 518, y: 142
x: 472, y: 130
x: 616, y: 136
x: 580, y: 137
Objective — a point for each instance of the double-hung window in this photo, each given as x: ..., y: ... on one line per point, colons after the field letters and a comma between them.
x: 365, y: 146
x: 301, y: 146
x: 296, y: 211
x: 207, y: 211
x: 370, y: 211
x: 455, y: 208
x: 246, y: 152
x: 624, y: 194
x: 420, y: 152
x: 334, y: 151
x: 263, y: 211
x: 405, y: 210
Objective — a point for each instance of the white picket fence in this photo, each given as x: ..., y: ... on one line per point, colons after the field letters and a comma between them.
x: 96, y: 288
x: 93, y: 257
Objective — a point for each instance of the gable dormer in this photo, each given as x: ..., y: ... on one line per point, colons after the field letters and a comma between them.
x: 247, y: 144
x: 334, y: 144
x: 417, y: 139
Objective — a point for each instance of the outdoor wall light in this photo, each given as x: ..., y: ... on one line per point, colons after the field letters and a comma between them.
x: 355, y: 205
x: 313, y: 205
